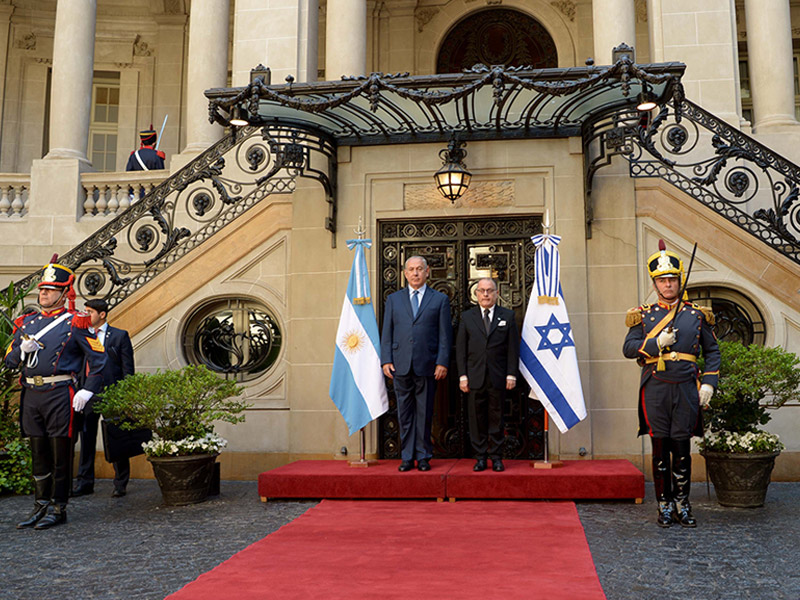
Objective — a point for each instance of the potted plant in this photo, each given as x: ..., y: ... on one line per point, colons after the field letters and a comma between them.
x: 739, y: 455
x: 180, y: 408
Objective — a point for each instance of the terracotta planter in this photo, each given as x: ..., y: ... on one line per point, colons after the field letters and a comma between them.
x: 183, y: 479
x: 740, y: 480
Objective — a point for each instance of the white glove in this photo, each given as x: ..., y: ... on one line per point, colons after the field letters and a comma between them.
x: 80, y: 399
x: 705, y: 393
x: 29, y: 345
x: 667, y: 338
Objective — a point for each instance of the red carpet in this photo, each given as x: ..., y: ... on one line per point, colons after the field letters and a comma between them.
x: 413, y: 549
x: 577, y: 479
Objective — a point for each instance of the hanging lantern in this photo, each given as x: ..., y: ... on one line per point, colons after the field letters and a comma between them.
x: 452, y: 180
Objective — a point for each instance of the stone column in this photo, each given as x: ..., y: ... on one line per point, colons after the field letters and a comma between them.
x: 346, y: 39
x: 769, y: 50
x: 614, y: 22
x: 73, y: 69
x: 5, y: 24
x: 208, y: 68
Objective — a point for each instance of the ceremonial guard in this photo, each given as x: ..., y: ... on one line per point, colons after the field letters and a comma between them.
x: 146, y: 158
x: 50, y: 348
x: 665, y: 339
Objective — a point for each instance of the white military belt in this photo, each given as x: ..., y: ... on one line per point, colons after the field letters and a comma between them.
x: 39, y: 380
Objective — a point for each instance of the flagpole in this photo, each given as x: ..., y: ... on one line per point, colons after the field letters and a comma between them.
x: 362, y: 437
x: 546, y: 463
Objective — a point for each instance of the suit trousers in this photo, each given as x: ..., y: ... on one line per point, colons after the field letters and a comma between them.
x: 485, y: 412
x: 88, y: 437
x: 415, y: 394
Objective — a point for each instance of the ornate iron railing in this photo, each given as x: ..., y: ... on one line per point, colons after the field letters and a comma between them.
x: 723, y: 168
x: 221, y: 184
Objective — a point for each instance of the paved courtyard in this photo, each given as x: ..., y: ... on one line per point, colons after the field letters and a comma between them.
x: 135, y: 548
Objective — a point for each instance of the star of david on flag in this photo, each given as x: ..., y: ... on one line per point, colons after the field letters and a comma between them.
x: 547, y: 357
x: 358, y: 388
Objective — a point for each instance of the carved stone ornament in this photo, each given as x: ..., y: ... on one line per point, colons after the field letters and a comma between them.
x: 641, y: 11
x: 26, y: 42
x: 565, y: 7
x: 424, y: 16
x: 140, y: 47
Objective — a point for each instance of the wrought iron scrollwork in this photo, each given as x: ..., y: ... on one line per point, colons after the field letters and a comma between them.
x: 194, y: 203
x: 739, y: 178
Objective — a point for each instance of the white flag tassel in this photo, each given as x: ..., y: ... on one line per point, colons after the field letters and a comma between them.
x: 547, y: 357
x: 360, y: 268
x: 357, y: 385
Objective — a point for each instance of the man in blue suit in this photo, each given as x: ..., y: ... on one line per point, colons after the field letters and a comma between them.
x: 415, y: 352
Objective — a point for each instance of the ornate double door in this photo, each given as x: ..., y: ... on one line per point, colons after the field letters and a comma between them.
x: 459, y: 253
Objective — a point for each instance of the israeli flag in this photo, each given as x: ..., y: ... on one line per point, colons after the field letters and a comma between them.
x: 547, y: 357
x: 357, y: 384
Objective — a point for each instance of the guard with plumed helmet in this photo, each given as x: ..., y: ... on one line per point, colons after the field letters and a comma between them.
x: 666, y: 338
x: 51, y: 347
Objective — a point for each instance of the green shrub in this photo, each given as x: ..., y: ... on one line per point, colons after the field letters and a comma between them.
x: 753, y: 379
x: 173, y: 404
x: 15, y: 453
x: 15, y: 468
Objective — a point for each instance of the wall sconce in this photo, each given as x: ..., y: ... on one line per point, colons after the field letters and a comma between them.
x: 239, y: 117
x: 646, y: 101
x: 452, y: 180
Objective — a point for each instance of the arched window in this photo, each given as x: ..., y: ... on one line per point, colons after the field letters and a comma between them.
x: 737, y: 318
x: 497, y: 37
x: 233, y: 336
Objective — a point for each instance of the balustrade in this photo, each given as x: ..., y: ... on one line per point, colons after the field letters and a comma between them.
x: 14, y: 195
x: 105, y: 195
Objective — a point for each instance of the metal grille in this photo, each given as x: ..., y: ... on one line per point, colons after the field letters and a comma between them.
x: 459, y: 252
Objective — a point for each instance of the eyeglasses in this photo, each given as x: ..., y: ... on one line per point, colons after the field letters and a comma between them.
x: 485, y: 291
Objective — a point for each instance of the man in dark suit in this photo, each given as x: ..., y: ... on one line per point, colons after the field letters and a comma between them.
x: 487, y: 353
x: 415, y: 352
x: 119, y: 363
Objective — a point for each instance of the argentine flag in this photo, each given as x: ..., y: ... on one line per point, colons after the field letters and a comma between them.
x: 357, y: 384
x: 547, y: 357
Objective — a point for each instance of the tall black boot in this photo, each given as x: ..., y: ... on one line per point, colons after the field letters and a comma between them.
x: 662, y: 481
x: 62, y: 478
x: 42, y: 480
x: 682, y: 480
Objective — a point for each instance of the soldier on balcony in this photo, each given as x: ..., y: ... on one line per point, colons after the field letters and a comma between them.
x: 50, y: 348
x: 666, y: 338
x: 146, y: 158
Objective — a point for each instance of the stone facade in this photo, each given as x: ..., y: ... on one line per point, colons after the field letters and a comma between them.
x: 281, y: 254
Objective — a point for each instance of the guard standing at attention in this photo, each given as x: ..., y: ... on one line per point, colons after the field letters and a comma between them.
x: 665, y: 339
x: 146, y: 158
x: 51, y: 347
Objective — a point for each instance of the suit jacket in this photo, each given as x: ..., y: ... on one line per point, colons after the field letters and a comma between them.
x: 119, y: 356
x: 418, y: 343
x: 495, y: 355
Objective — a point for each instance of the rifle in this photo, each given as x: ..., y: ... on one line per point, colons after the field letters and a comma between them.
x: 683, y: 287
x: 661, y: 365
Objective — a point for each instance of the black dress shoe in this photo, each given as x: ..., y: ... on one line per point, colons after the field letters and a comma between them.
x: 83, y: 490
x: 406, y: 465
x: 480, y: 465
x: 497, y: 465
x: 424, y: 465
x: 56, y: 515
x: 39, y: 511
x: 118, y: 493
x: 684, y: 516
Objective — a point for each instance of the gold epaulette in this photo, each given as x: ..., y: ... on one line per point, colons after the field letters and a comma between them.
x: 708, y: 314
x: 633, y: 316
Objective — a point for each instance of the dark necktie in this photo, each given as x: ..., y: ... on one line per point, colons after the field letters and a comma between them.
x: 415, y: 303
x: 486, y: 322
